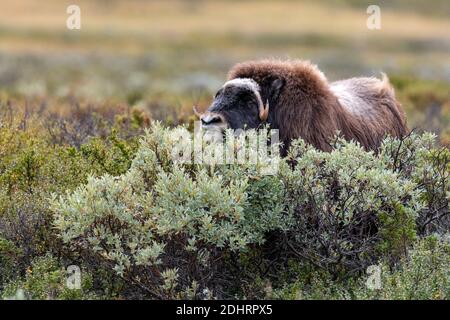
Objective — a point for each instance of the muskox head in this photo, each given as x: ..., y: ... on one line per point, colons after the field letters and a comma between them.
x: 241, y: 103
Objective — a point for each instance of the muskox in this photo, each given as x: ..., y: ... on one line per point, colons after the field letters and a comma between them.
x: 296, y: 98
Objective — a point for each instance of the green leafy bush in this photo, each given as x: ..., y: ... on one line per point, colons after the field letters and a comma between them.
x: 416, y: 159
x: 31, y: 168
x: 347, y: 206
x: 176, y: 230
x: 8, y: 257
x: 422, y: 275
x: 143, y: 226
x: 166, y: 227
x: 45, y: 279
x: 350, y: 206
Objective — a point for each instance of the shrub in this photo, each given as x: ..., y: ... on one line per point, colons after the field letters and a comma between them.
x: 423, y: 275
x: 182, y: 230
x: 31, y: 168
x: 416, y: 159
x: 167, y: 228
x: 347, y: 207
x: 46, y: 280
x: 8, y: 257
x: 147, y: 227
x: 76, y: 125
x: 111, y: 155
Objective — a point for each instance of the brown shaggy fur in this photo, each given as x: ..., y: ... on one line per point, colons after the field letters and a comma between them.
x: 361, y: 109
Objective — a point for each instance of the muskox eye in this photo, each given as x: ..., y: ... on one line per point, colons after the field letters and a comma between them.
x: 217, y: 94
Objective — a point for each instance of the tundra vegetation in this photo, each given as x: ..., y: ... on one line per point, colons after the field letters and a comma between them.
x: 102, y: 192
x: 86, y: 176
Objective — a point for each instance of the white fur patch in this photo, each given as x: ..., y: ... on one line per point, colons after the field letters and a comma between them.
x: 248, y: 84
x: 349, y: 100
x: 346, y: 98
x: 244, y: 83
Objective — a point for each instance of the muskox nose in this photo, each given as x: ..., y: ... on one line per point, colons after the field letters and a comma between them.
x: 209, y: 118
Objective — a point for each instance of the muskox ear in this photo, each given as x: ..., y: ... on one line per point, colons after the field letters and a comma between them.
x: 274, y: 90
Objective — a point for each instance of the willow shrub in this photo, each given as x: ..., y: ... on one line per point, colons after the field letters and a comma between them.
x: 423, y: 275
x: 46, y: 279
x: 169, y: 229
x: 347, y: 206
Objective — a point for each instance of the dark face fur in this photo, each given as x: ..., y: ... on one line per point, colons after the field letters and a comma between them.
x: 237, y: 105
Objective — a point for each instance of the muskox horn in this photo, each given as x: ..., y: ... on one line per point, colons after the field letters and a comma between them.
x: 196, y: 112
x: 264, y: 111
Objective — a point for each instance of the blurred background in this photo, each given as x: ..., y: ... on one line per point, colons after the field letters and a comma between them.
x: 163, y: 56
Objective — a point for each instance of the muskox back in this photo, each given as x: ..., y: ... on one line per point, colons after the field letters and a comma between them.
x: 308, y: 106
x: 372, y: 102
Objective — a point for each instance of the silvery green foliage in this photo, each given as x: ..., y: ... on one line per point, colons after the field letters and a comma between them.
x: 347, y: 206
x: 417, y: 159
x: 423, y: 274
x: 178, y: 229
x: 162, y: 224
x: 46, y: 279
